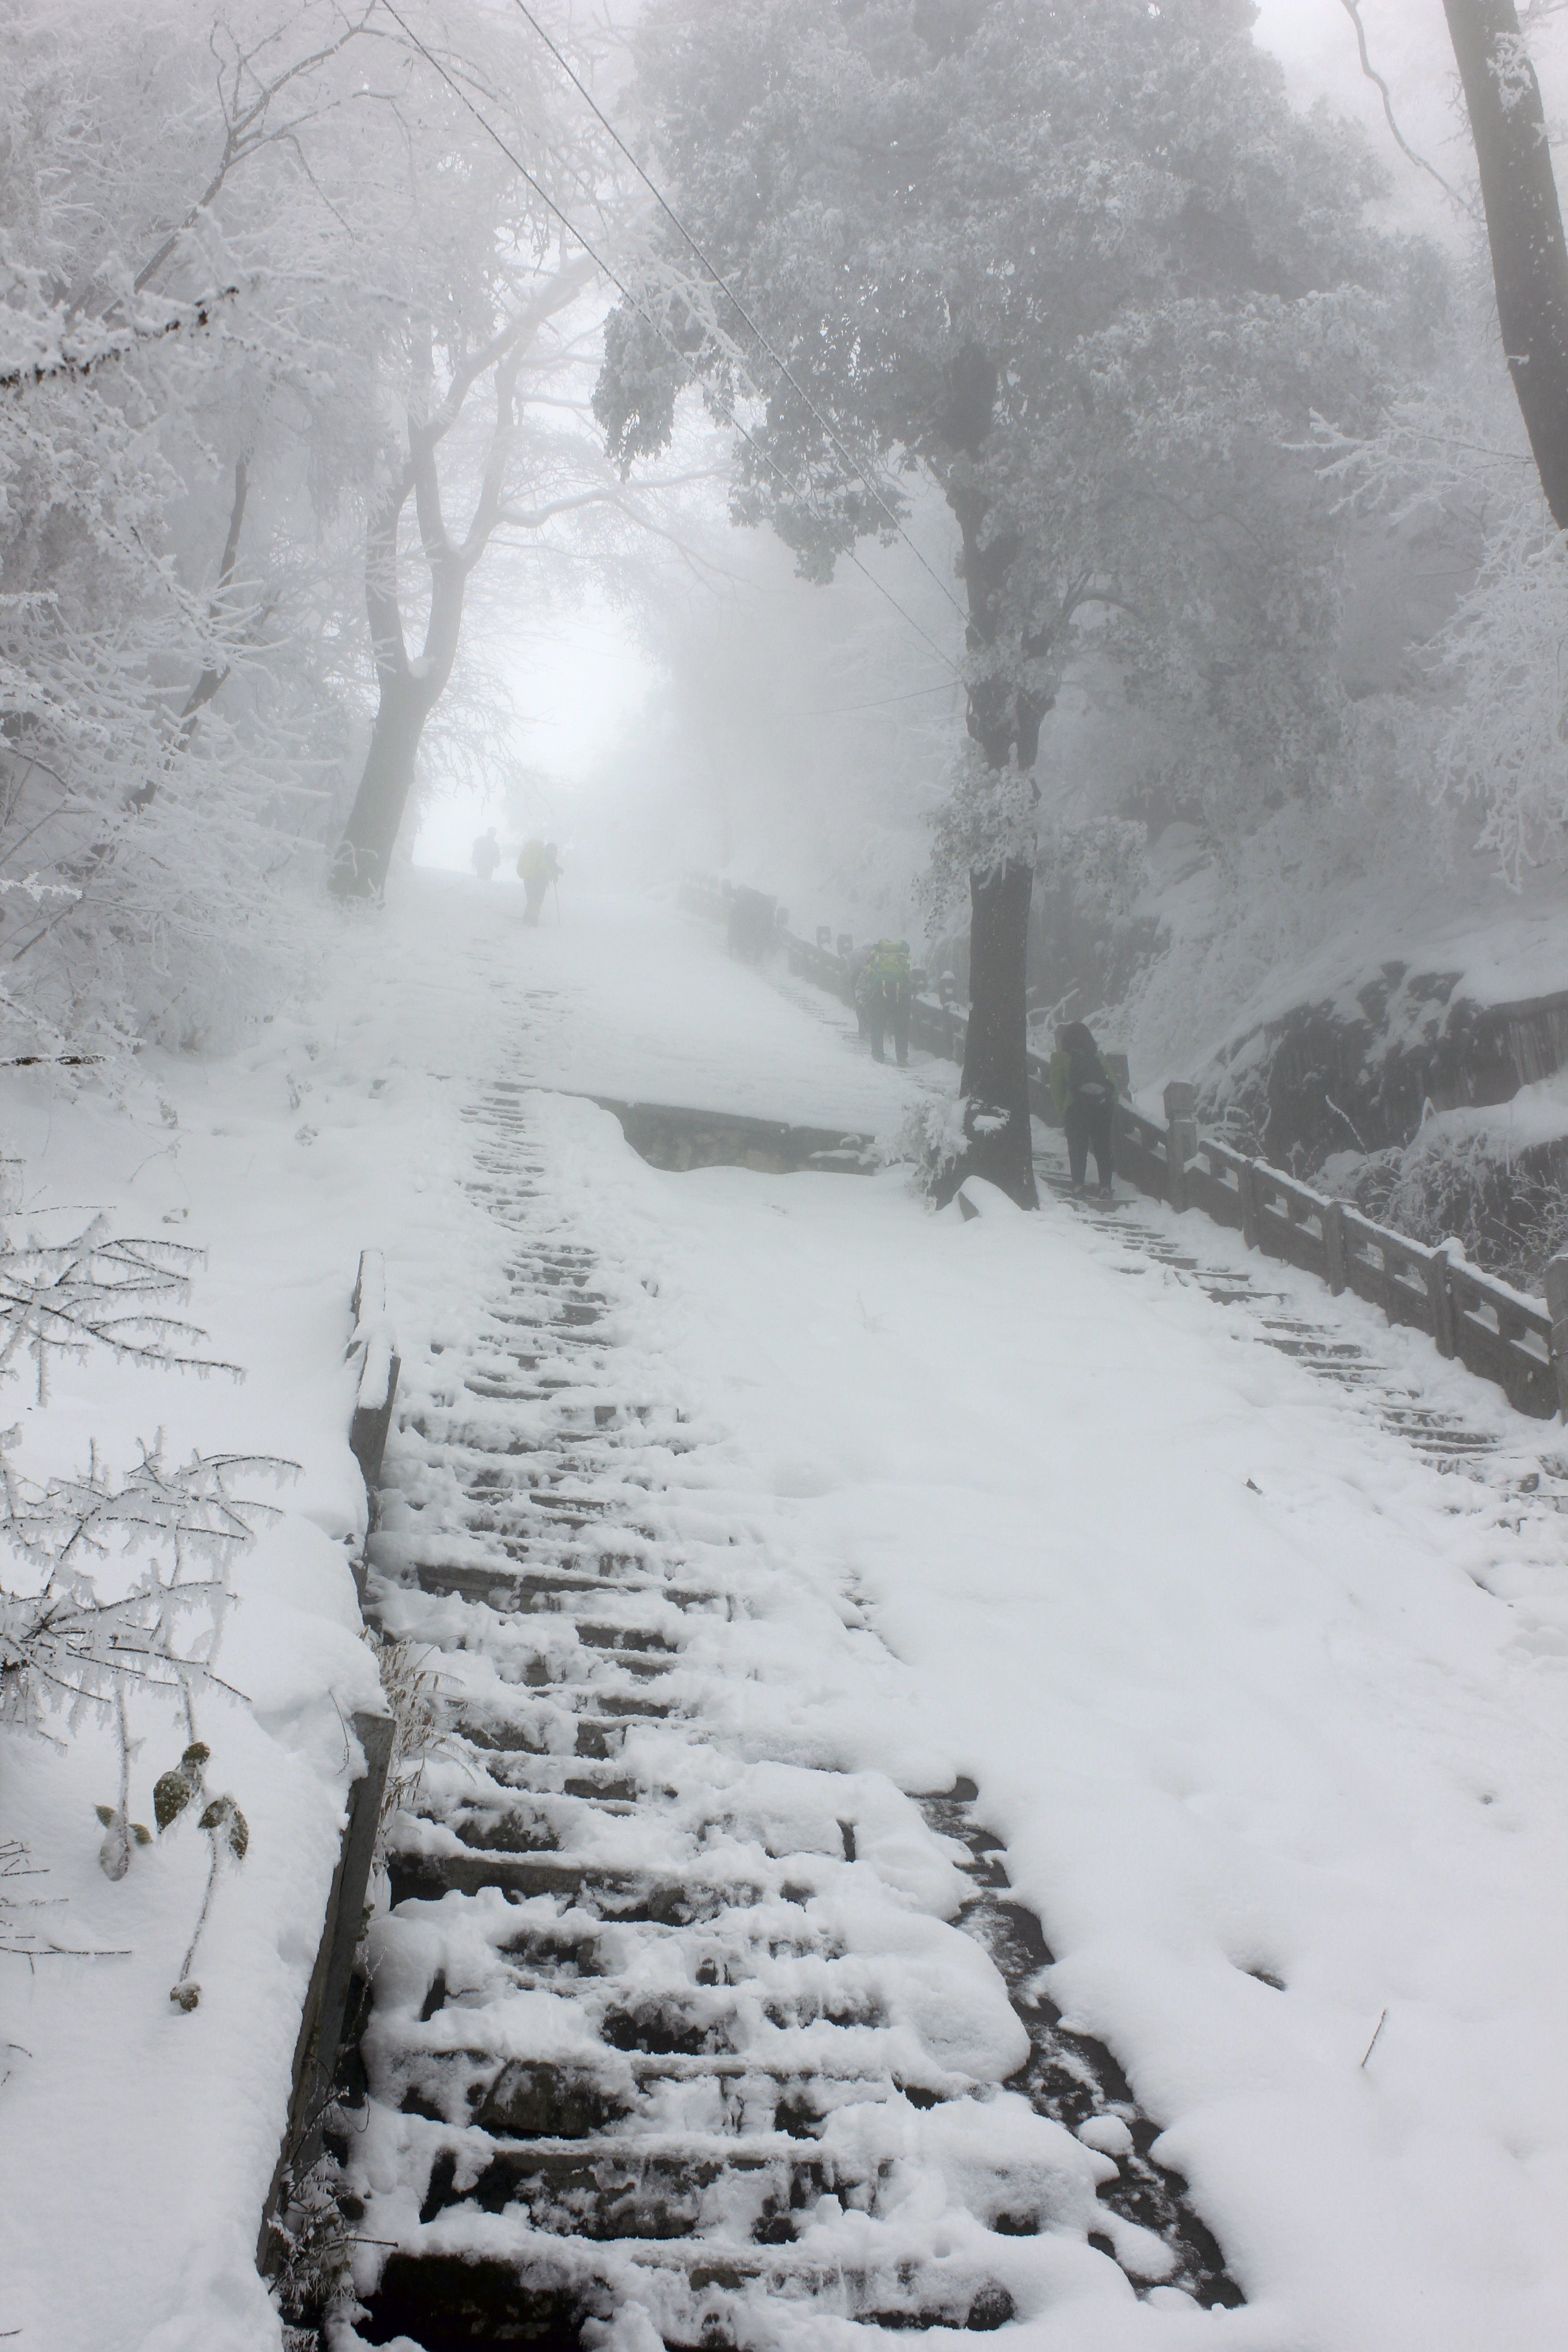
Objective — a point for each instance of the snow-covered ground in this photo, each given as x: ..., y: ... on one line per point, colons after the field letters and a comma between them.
x: 1217, y: 1658
x: 1250, y: 1691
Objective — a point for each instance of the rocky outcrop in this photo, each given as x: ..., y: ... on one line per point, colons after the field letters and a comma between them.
x: 1327, y: 1077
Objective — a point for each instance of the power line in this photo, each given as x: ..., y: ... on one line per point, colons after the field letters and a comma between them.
x: 726, y: 289
x: 883, y: 702
x: 726, y: 410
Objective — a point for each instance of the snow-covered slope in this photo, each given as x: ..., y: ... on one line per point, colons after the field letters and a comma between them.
x: 1250, y: 1691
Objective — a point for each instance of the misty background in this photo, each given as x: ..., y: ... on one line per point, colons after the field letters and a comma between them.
x: 339, y: 525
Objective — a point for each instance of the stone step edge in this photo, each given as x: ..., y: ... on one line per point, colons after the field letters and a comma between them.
x: 601, y: 2059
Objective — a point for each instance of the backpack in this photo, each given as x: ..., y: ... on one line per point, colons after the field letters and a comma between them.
x: 1088, y: 1078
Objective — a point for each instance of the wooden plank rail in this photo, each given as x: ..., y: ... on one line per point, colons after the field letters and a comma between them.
x: 1518, y: 1342
x: 1139, y: 1151
x: 1506, y: 1338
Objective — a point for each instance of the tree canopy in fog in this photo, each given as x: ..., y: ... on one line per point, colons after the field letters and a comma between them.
x: 279, y: 310
x: 1201, y: 489
x: 1089, y: 272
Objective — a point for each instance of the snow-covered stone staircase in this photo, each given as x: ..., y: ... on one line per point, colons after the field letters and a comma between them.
x: 1450, y: 1440
x: 684, y: 2034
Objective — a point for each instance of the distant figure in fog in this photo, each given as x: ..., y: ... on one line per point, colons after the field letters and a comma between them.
x: 537, y: 868
x: 1085, y: 1094
x: 885, y: 994
x: 858, y: 961
x: 752, y: 925
x: 485, y: 854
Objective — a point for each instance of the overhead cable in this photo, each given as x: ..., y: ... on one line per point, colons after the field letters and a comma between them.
x: 725, y: 409
x: 728, y: 290
x: 845, y: 709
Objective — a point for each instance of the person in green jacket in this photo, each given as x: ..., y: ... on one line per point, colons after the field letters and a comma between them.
x: 537, y: 868
x: 1085, y: 1094
x: 884, y: 995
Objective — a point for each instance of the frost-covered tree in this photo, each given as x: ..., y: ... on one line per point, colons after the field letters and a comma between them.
x: 257, y: 259
x: 184, y: 330
x: 477, y: 387
x: 114, y: 1584
x: 1085, y: 271
x: 1482, y: 723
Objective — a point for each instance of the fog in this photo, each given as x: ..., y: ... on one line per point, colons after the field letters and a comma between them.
x: 712, y: 710
x: 784, y: 858
x: 1078, y: 464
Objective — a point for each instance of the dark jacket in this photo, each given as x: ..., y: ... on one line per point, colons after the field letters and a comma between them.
x: 1078, y: 1075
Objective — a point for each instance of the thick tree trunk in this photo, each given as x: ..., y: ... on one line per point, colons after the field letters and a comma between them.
x: 1524, y: 226
x: 363, y: 855
x: 996, y: 1081
x: 1005, y: 725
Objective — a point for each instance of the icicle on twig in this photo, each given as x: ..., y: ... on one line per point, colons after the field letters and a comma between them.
x: 114, y: 1853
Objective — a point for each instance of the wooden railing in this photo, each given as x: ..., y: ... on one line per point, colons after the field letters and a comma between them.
x: 1482, y: 1322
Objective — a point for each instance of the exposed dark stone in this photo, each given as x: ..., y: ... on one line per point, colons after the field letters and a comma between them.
x: 667, y: 1136
x: 508, y: 1832
x: 533, y: 2101
x: 1070, y: 2076
x: 661, y: 2030
x: 440, y: 2191
x: 992, y: 2307
x: 446, y: 2304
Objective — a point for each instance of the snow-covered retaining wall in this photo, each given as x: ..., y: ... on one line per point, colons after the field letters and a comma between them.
x: 1493, y: 1329
x: 324, y: 2015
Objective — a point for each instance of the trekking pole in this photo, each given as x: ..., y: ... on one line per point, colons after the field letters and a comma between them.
x: 556, y: 887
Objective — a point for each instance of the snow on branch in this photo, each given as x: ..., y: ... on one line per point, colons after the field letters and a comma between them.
x: 22, y: 1936
x: 62, y: 362
x: 991, y: 820
x: 66, y: 1644
x: 95, y: 1289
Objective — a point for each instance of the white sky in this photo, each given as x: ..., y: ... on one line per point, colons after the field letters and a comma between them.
x: 582, y: 690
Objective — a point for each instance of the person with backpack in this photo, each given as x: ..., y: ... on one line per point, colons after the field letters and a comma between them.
x: 1085, y: 1094
x: 485, y: 854
x: 885, y: 994
x: 537, y: 868
x: 856, y: 964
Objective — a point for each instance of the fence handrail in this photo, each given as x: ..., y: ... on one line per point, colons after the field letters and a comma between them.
x: 1501, y: 1333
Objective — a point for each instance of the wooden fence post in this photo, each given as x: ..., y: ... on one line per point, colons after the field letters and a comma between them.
x: 379, y: 1370
x: 1442, y: 1297
x: 1557, y: 1307
x: 326, y: 2002
x: 1181, y: 1138
x: 1334, y: 1245
x: 1246, y: 1185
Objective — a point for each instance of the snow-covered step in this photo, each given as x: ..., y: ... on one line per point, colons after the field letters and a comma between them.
x: 1440, y: 1435
x: 656, y: 2019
